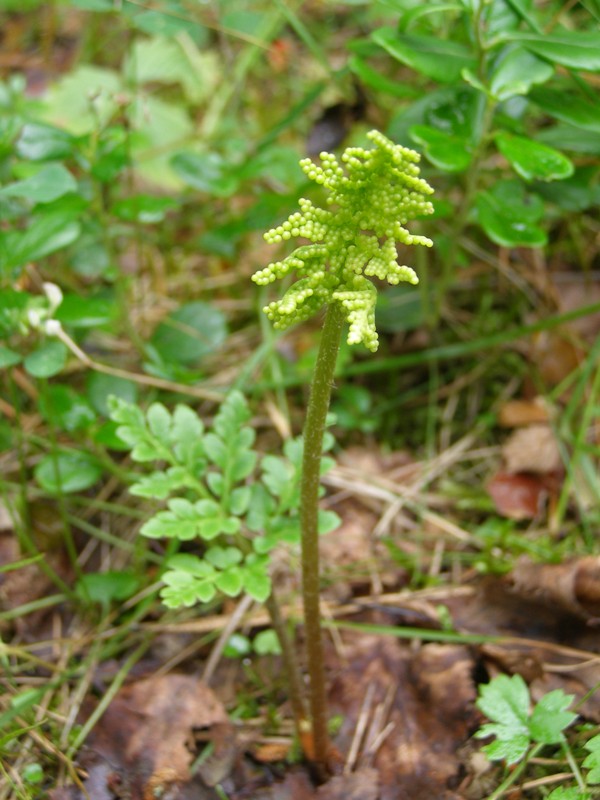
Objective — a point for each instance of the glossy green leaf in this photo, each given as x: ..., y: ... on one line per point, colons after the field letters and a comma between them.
x: 67, y: 473
x: 509, y: 216
x: 568, y: 107
x: 440, y: 59
x: 574, y: 49
x: 532, y: 160
x: 49, y: 359
x: 190, y: 333
x: 76, y: 311
x: 444, y: 151
x: 516, y: 71
x: 376, y: 80
x: 50, y: 183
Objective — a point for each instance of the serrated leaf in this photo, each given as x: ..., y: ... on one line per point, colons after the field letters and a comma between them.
x: 159, y: 485
x: 592, y: 761
x: 230, y: 581
x: 215, y: 449
x: 186, y: 435
x: 223, y: 557
x: 159, y: 421
x: 506, y: 701
x: 568, y: 793
x: 257, y: 582
x: 239, y: 501
x: 510, y: 750
x: 328, y: 521
x: 550, y: 717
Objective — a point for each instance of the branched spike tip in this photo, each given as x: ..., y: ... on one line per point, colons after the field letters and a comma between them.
x: 370, y: 198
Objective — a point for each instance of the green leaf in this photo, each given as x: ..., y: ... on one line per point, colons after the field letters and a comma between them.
x: 107, y: 587
x: 230, y: 581
x: 85, y: 312
x: 66, y: 409
x: 143, y: 208
x: 446, y: 152
x: 508, y: 215
x: 207, y: 172
x: 266, y: 643
x: 505, y: 701
x: 47, y: 233
x: 47, y: 185
x: 257, y: 582
x: 159, y: 421
x: 159, y: 485
x: 550, y: 717
x: 188, y: 581
x: 67, y: 472
x: 190, y: 333
x: 574, y: 49
x: 568, y: 793
x: 39, y: 142
x: 592, y: 761
x: 532, y: 160
x: 101, y: 387
x: 49, y: 359
x: 185, y: 521
x: 437, y: 58
x: 516, y: 71
x: 8, y: 357
x: 371, y: 77
x: 568, y: 107
x: 223, y: 557
x: 328, y: 521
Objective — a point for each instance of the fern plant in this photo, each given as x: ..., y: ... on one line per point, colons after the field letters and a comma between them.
x: 226, y: 504
x: 371, y: 195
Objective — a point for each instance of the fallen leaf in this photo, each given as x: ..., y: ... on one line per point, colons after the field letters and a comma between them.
x: 360, y: 785
x: 146, y: 735
x: 518, y: 496
x: 516, y: 413
x: 532, y: 449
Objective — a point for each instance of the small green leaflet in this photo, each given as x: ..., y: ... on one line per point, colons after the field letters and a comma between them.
x: 506, y: 702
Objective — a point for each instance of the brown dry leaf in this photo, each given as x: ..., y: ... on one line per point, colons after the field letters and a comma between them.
x: 573, y: 586
x: 146, y: 735
x: 555, y: 355
x: 552, y: 641
x: 430, y: 713
x: 518, y: 496
x: 532, y: 449
x: 516, y: 413
x: 360, y: 785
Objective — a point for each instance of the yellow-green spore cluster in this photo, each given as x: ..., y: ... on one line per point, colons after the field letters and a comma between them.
x: 370, y: 198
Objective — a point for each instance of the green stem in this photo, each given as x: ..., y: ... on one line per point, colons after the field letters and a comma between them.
x: 314, y: 428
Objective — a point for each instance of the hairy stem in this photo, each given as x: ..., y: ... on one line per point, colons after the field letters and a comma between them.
x: 314, y: 428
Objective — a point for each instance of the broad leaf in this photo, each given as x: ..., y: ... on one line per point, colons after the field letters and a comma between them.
x: 532, y: 160
x: 574, y: 49
x: 440, y: 59
x: 516, y: 71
